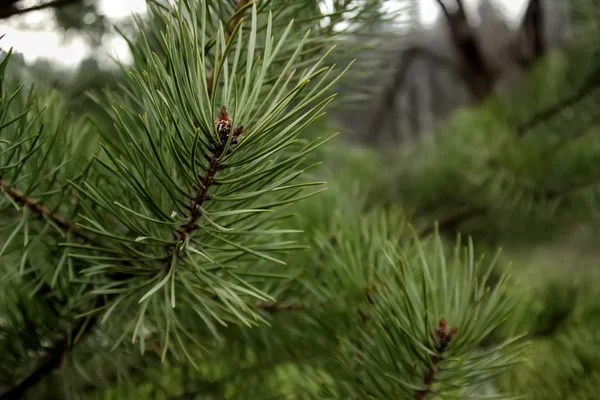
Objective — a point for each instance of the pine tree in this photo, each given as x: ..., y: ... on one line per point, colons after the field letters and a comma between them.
x: 181, y: 245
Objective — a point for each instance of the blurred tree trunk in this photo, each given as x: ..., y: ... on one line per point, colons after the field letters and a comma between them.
x: 463, y: 64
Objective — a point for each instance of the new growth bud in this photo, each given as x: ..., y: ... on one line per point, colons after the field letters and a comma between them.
x: 224, y: 125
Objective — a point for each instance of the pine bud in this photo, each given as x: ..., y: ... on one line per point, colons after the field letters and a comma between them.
x: 224, y: 123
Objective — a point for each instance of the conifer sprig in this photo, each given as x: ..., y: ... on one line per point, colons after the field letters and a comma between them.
x: 194, y: 182
x: 426, y: 322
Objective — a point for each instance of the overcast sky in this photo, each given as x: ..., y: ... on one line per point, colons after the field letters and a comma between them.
x: 48, y: 44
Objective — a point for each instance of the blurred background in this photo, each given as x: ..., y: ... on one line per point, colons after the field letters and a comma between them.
x: 72, y: 44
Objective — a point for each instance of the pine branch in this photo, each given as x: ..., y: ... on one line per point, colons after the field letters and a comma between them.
x: 47, y: 365
x: 58, y: 353
x: 10, y: 11
x: 276, y: 123
x: 452, y: 221
x: 551, y: 194
x: 588, y: 87
x: 444, y: 336
x: 417, y: 294
x: 224, y: 129
x: 41, y: 209
x: 52, y: 359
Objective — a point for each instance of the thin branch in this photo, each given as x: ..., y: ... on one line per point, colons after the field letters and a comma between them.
x: 573, y: 135
x: 155, y: 347
x: 444, y: 8
x: 224, y: 130
x: 533, y: 30
x: 588, y: 87
x: 461, y: 7
x: 279, y: 307
x: 52, y: 359
x: 10, y: 11
x: 47, y: 365
x: 452, y: 221
x: 58, y: 353
x: 41, y: 209
x: 552, y: 194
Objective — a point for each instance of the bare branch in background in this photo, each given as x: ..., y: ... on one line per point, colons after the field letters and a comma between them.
x: 532, y: 29
x: 386, y: 107
x: 8, y: 8
x: 477, y: 73
x: 479, y: 65
x: 590, y: 86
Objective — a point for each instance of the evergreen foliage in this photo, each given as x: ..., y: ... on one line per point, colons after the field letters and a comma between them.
x: 179, y: 244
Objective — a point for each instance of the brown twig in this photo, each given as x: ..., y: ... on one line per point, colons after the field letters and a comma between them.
x: 41, y: 209
x: 64, y: 372
x: 228, y: 31
x: 278, y: 307
x: 46, y: 366
x: 274, y: 307
x: 155, y: 347
x: 57, y: 354
x: 452, y: 221
x: 11, y: 10
x: 444, y: 336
